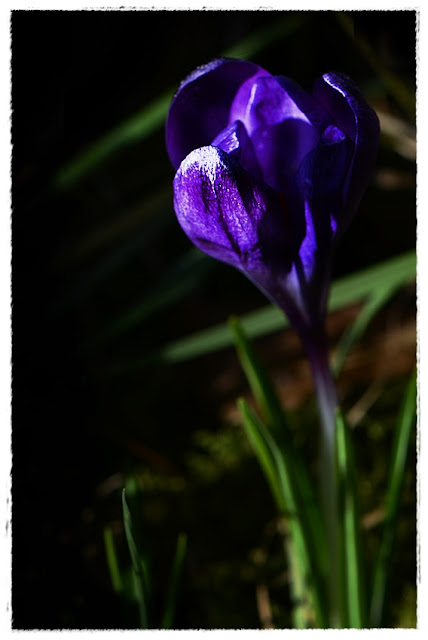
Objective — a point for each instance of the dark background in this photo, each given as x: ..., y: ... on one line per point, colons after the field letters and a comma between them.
x: 83, y: 255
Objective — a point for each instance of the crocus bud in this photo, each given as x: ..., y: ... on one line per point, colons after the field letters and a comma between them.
x: 269, y: 176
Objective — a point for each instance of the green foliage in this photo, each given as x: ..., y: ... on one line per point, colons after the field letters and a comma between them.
x: 290, y: 486
x: 135, y: 583
x: 172, y: 593
x: 373, y: 286
x: 405, y: 424
x: 354, y: 594
x: 139, y: 565
x: 306, y: 587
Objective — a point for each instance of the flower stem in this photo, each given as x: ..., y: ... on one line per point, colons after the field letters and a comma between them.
x: 325, y: 390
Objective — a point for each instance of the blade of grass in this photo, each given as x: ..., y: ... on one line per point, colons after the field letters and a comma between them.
x: 297, y: 559
x: 256, y: 435
x: 376, y: 301
x: 171, y: 597
x: 136, y: 128
x: 349, y: 290
x: 279, y: 476
x: 306, y: 583
x: 405, y: 424
x: 352, y: 569
x: 275, y: 419
x: 152, y: 117
x: 112, y: 561
x: 260, y: 384
x: 138, y: 565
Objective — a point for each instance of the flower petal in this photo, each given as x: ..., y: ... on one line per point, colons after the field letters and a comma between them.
x: 354, y: 116
x: 201, y: 107
x: 284, y: 123
x: 280, y: 149
x: 235, y: 141
x: 229, y: 215
x: 318, y: 194
x: 274, y: 99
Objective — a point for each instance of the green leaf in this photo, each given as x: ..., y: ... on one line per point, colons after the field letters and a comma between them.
x: 353, y: 586
x: 138, y: 564
x: 136, y: 128
x: 307, y: 592
x: 275, y: 419
x: 256, y: 434
x: 260, y: 384
x: 171, y: 597
x: 376, y: 301
x: 352, y: 289
x: 405, y: 425
x: 112, y: 561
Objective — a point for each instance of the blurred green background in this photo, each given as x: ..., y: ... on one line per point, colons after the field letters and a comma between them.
x: 104, y: 278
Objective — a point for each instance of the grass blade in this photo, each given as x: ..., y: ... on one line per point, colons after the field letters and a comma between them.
x: 352, y: 569
x: 261, y: 386
x: 309, y: 608
x: 379, y: 297
x: 275, y: 419
x: 177, y: 567
x: 400, y: 449
x: 112, y: 561
x: 352, y: 289
x: 137, y: 128
x: 257, y: 437
x: 138, y: 565
x: 349, y: 290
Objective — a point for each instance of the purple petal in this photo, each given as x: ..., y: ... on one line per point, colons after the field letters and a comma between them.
x: 235, y: 141
x: 281, y: 148
x: 201, y: 107
x: 229, y: 215
x: 320, y: 184
x: 272, y: 100
x: 284, y: 125
x: 354, y: 116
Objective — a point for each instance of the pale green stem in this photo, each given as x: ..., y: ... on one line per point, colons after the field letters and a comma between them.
x: 326, y: 395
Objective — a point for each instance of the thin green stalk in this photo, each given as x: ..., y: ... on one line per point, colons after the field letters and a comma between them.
x: 325, y: 390
x: 275, y: 419
x: 112, y: 561
x: 171, y: 597
x: 352, y: 571
x: 306, y: 586
x: 138, y: 566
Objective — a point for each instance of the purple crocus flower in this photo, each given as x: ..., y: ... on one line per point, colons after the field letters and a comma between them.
x: 269, y: 176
